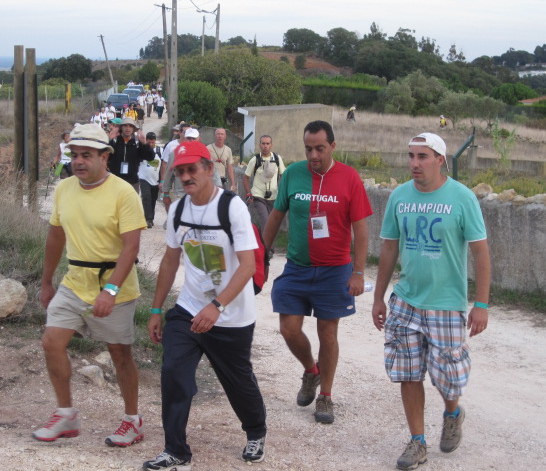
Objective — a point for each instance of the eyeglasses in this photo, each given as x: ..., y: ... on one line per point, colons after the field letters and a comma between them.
x: 180, y: 171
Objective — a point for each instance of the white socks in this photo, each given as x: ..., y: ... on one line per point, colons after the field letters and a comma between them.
x: 66, y: 411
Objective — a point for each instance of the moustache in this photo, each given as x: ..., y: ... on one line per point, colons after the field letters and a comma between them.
x: 189, y: 182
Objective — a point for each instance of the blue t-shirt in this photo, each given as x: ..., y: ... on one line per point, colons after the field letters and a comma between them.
x: 434, y: 229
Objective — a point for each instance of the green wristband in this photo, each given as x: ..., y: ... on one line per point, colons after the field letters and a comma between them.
x: 155, y: 310
x: 112, y: 287
x: 481, y: 305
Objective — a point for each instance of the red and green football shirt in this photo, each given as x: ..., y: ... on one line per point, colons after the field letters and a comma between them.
x: 341, y: 198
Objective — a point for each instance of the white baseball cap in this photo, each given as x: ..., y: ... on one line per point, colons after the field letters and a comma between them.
x: 191, y: 132
x: 432, y: 141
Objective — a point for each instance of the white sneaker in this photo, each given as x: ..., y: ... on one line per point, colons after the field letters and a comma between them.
x: 58, y: 427
x: 127, y: 434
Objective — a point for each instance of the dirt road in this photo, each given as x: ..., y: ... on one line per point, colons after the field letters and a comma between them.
x: 505, y: 427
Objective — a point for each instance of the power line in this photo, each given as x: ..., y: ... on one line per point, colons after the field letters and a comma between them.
x: 153, y: 23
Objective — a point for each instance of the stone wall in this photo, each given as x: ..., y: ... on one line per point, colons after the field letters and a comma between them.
x: 516, y: 233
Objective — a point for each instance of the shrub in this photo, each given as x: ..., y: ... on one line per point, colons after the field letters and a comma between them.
x: 148, y: 73
x: 299, y: 62
x: 202, y: 103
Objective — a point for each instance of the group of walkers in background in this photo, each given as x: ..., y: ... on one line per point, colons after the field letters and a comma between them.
x: 429, y: 222
x: 147, y: 102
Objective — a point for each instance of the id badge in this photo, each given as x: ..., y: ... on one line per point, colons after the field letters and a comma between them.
x: 124, y: 170
x: 319, y: 225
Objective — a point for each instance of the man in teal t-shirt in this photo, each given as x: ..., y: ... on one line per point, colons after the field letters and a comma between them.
x: 430, y: 221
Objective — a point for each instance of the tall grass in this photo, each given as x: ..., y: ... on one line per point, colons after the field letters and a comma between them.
x: 382, y: 132
x: 22, y: 241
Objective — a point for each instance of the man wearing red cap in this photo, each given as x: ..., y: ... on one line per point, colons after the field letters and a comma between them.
x: 215, y: 311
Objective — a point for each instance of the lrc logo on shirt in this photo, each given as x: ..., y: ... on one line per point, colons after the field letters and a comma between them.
x: 422, y: 236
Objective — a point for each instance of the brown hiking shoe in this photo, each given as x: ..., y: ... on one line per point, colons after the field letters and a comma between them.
x: 414, y: 455
x: 324, y: 412
x: 452, y: 432
x: 308, y: 390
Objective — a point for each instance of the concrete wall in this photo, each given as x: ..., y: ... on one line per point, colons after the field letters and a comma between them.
x: 285, y: 124
x: 517, y: 240
x: 472, y: 161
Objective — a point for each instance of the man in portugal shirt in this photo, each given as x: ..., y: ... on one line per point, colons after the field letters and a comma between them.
x: 326, y: 200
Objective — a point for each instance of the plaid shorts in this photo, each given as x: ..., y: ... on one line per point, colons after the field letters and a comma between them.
x: 417, y: 340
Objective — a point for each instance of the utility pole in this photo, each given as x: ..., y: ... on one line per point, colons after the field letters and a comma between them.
x: 215, y: 12
x: 108, y: 63
x: 217, y: 42
x: 19, y: 116
x: 203, y: 38
x: 31, y: 129
x: 165, y: 45
x: 172, y: 108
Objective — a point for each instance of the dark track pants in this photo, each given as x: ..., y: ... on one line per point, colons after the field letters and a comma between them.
x: 149, y: 194
x: 228, y: 350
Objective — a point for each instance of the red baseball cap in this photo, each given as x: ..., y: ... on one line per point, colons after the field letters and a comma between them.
x: 190, y: 152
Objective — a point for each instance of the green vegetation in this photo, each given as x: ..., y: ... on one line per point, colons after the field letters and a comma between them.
x: 52, y: 89
x: 500, y: 180
x: 503, y: 141
x: 148, y: 73
x: 202, y: 103
x: 356, y: 81
x: 72, y: 68
x: 245, y: 79
x: 299, y: 62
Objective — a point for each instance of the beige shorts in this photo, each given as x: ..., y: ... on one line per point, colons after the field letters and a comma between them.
x: 68, y: 311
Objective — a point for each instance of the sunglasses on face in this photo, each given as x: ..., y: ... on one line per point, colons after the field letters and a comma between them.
x: 180, y: 171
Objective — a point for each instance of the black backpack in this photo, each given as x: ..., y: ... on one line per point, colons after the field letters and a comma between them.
x: 260, y: 254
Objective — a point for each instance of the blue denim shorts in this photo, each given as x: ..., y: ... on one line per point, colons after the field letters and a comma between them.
x: 322, y: 291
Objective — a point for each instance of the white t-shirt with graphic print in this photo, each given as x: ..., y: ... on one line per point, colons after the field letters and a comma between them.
x: 210, y: 251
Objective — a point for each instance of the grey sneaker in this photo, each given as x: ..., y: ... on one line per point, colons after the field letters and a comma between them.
x: 167, y: 461
x: 58, y: 427
x: 126, y: 434
x: 254, y: 450
x: 414, y: 455
x: 324, y: 412
x: 308, y: 390
x: 452, y: 432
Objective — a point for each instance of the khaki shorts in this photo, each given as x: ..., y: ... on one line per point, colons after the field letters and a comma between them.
x: 68, y: 311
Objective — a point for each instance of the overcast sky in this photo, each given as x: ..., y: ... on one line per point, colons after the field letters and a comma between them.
x: 58, y: 28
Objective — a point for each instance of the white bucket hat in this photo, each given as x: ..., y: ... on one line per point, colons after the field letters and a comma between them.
x: 89, y: 135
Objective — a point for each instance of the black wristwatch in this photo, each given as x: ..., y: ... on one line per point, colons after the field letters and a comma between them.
x: 218, y: 305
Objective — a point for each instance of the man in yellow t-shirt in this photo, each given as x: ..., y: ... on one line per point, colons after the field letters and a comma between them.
x: 98, y: 217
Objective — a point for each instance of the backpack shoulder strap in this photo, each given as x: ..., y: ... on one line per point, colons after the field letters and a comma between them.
x: 258, y: 163
x: 276, y: 159
x: 178, y: 213
x: 223, y: 212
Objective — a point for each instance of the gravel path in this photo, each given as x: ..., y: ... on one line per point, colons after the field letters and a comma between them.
x: 504, y: 428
